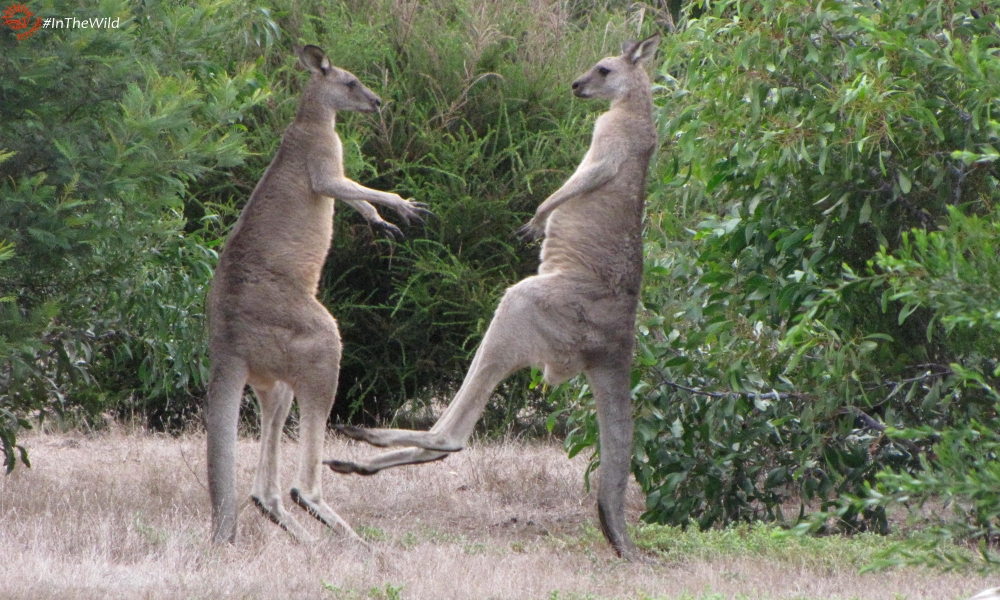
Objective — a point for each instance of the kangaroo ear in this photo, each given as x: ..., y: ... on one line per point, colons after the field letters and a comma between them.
x: 314, y: 59
x: 641, y: 51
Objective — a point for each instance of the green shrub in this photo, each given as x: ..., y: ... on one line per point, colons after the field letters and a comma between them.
x: 102, y: 285
x: 953, y: 498
x: 960, y: 474
x: 129, y: 152
x: 799, y: 139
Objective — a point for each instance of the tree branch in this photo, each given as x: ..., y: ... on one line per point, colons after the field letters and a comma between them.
x: 774, y: 395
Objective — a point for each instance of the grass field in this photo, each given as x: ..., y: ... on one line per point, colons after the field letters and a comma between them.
x: 121, y: 515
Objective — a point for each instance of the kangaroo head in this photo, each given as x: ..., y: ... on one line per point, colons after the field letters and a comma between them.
x: 334, y: 88
x: 616, y: 76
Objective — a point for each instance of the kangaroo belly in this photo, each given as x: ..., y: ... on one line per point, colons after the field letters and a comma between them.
x: 280, y: 237
x: 599, y: 236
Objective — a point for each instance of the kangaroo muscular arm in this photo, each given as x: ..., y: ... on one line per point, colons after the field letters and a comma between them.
x: 353, y: 193
x: 589, y: 176
x: 349, y: 191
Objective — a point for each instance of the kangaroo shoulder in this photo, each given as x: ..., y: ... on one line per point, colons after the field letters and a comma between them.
x: 307, y: 145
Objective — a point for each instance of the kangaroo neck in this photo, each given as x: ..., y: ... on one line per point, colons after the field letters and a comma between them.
x: 313, y: 110
x: 326, y: 118
x: 637, y: 101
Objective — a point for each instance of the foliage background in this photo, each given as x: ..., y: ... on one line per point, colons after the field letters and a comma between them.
x: 820, y: 306
x: 129, y: 152
x: 802, y: 142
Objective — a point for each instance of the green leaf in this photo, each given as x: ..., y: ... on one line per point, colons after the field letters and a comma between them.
x: 904, y: 183
x: 864, y: 216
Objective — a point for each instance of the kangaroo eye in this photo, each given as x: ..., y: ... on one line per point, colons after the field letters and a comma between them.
x: 352, y: 84
x: 603, y: 71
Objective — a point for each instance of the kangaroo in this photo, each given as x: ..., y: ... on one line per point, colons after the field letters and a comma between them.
x: 266, y: 327
x: 578, y: 313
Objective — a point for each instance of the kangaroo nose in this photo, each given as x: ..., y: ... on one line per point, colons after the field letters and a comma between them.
x: 576, y: 84
x: 378, y: 102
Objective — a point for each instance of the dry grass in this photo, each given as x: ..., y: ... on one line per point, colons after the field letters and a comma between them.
x: 126, y: 516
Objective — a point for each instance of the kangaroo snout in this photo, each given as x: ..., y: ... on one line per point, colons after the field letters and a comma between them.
x: 374, y: 102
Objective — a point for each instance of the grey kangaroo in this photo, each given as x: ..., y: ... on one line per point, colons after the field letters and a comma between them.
x: 266, y: 327
x: 578, y: 313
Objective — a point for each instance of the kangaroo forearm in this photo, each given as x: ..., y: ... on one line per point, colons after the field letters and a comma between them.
x: 367, y: 210
x: 360, y: 197
x: 551, y: 203
x: 583, y: 181
x: 344, y: 189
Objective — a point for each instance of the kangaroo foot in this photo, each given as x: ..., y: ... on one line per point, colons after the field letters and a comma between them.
x: 325, y: 515
x: 347, y: 467
x: 273, y: 510
x: 385, y: 438
x: 361, y: 434
x: 386, y: 460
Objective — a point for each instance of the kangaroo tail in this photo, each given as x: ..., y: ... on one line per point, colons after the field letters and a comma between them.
x: 222, y: 411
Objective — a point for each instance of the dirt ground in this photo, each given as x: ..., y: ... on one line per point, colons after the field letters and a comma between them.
x: 121, y: 515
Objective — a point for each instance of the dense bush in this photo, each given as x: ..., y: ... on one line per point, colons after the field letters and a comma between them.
x: 127, y: 153
x: 102, y: 289
x: 954, y: 496
x: 788, y: 318
x: 820, y: 300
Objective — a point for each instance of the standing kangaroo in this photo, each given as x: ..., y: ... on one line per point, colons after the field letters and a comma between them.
x: 266, y: 327
x: 578, y: 313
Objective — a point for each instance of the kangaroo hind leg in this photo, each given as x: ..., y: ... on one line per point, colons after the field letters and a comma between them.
x: 308, y: 493
x: 514, y: 340
x: 275, y: 401
x: 316, y: 390
x: 492, y: 363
